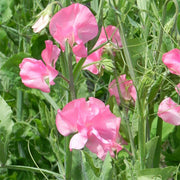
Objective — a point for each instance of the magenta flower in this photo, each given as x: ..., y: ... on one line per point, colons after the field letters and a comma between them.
x: 35, y: 74
x: 169, y: 111
x: 94, y: 124
x: 127, y: 89
x: 172, y: 60
x: 76, y: 24
x: 96, y: 56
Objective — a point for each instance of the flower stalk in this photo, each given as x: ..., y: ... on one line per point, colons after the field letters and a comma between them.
x: 141, y: 122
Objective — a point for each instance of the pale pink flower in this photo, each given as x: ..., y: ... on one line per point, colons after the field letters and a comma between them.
x: 169, y: 111
x: 96, y: 56
x: 35, y: 74
x: 127, y: 89
x: 94, y: 124
x: 76, y: 24
x: 41, y: 23
x: 172, y: 60
x: 44, y: 18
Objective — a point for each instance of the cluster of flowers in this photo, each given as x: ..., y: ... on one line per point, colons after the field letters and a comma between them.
x: 168, y: 110
x: 96, y: 126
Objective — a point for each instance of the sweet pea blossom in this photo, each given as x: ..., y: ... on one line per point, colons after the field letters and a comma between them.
x: 127, y: 89
x: 50, y: 54
x: 169, y: 111
x: 96, y: 56
x: 75, y: 24
x: 35, y: 74
x: 94, y: 124
x: 172, y: 60
x: 44, y: 18
x: 41, y: 23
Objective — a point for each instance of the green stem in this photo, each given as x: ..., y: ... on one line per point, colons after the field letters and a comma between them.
x: 33, y: 169
x: 51, y: 101
x: 158, y: 147
x: 141, y: 123
x: 162, y: 26
x: 68, y: 158
x: 19, y: 105
x: 71, y: 79
x: 125, y: 110
x: 68, y: 2
x: 68, y: 155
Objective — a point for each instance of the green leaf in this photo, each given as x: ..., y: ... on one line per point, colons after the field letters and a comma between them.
x: 5, y: 118
x: 154, y: 89
x: 3, y: 58
x: 5, y: 129
x: 106, y: 172
x: 87, y: 172
x: 82, y: 91
x: 12, y: 64
x: 143, y: 6
x: 38, y: 44
x: 167, y: 129
x: 89, y: 160
x: 5, y: 11
x: 157, y: 173
x: 150, y: 151
x: 78, y: 68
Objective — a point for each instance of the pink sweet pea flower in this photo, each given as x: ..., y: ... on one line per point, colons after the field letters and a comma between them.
x: 172, y: 60
x: 76, y: 24
x: 50, y: 54
x: 169, y: 111
x: 35, y: 74
x: 127, y: 89
x: 94, y: 124
x: 96, y: 56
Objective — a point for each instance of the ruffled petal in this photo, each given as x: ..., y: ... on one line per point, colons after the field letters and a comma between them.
x: 78, y: 141
x: 172, y: 60
x: 34, y: 73
x: 169, y: 111
x: 50, y: 54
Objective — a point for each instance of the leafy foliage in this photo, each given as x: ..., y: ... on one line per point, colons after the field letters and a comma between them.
x: 31, y: 148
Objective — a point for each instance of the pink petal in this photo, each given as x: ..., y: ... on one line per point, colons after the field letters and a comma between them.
x: 172, y: 60
x: 52, y: 74
x: 169, y: 111
x: 80, y: 50
x: 100, y: 146
x: 94, y: 57
x: 73, y: 23
x: 111, y: 31
x: 50, y: 54
x: 66, y: 120
x: 33, y: 74
x: 78, y: 141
